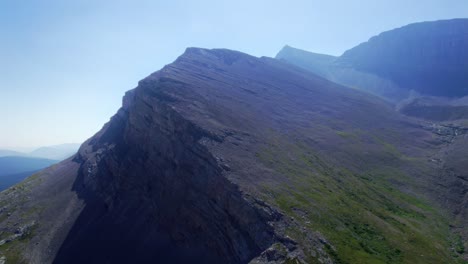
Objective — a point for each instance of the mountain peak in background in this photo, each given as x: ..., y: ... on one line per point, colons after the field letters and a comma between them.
x: 16, y: 166
x: 54, y: 152
x: 428, y: 57
x: 7, y: 152
x: 315, y: 62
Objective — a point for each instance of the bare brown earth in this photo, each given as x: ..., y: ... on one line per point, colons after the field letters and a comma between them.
x: 221, y: 157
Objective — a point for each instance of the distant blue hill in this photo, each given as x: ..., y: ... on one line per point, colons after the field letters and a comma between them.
x: 16, y: 169
x: 12, y: 165
x: 6, y: 181
x: 55, y: 152
x: 7, y: 152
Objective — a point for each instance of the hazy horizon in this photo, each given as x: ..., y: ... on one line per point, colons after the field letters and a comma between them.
x: 27, y: 150
x: 66, y: 66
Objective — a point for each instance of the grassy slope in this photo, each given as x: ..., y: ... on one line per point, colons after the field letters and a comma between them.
x: 339, y: 161
x: 15, y: 200
x: 362, y: 213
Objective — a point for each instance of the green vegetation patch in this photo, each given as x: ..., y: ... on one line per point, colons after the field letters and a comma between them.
x: 12, y: 249
x: 364, y: 216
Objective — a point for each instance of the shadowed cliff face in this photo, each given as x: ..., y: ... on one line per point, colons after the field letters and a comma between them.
x: 221, y: 157
x: 153, y: 192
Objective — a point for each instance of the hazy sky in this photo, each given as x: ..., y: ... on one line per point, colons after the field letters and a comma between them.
x: 65, y: 65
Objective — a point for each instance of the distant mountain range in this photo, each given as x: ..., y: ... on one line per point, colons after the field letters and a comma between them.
x: 429, y: 58
x: 16, y: 169
x: 325, y: 66
x: 6, y: 152
x: 16, y: 166
x: 56, y: 152
x: 13, y: 165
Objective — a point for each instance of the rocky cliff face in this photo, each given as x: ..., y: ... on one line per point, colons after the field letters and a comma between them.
x: 154, y: 192
x: 428, y: 57
x: 221, y: 157
x: 154, y: 184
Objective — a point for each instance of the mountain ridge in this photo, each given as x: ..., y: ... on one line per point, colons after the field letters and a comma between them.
x: 272, y: 152
x: 54, y: 152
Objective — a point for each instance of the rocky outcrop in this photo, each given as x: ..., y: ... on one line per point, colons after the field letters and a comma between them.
x: 451, y: 168
x: 434, y: 108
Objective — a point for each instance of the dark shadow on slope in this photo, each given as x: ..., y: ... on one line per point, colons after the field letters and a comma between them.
x: 101, y: 236
x: 159, y: 201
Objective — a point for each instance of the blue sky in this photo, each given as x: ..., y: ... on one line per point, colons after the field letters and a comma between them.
x: 65, y: 65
